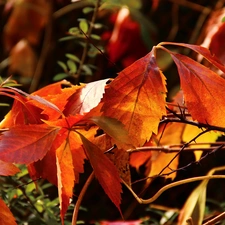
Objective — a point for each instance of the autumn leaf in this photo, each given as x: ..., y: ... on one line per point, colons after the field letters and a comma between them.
x: 6, y: 217
x: 203, y: 91
x: 195, y: 204
x: 8, y: 169
x: 21, y: 113
x: 115, y: 129
x: 65, y: 175
x: 212, y: 58
x: 159, y: 160
x: 137, y: 98
x: 26, y: 143
x: 86, y: 98
x: 190, y: 132
x: 105, y: 171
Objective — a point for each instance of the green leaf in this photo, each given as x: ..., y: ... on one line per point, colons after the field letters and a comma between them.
x: 96, y: 37
x: 60, y: 76
x: 223, y: 19
x: 72, y: 66
x: 72, y: 57
x: 87, y: 70
x: 83, y: 25
x: 98, y: 25
x: 67, y: 38
x: 87, y: 10
x: 62, y: 65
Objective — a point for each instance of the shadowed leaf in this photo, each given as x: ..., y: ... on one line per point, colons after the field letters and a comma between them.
x: 105, y: 171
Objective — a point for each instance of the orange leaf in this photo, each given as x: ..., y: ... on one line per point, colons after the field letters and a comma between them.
x: 137, y: 98
x: 78, y: 154
x: 26, y: 143
x: 7, y: 169
x: 22, y: 113
x: 203, y: 91
x: 105, y: 171
x: 65, y: 175
x: 6, y: 217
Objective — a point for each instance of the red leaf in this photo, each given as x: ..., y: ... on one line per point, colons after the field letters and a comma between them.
x: 7, y: 169
x: 41, y: 167
x: 137, y: 98
x: 105, y: 171
x: 203, y: 90
x: 22, y: 113
x: 26, y: 143
x: 204, y: 52
x: 6, y: 217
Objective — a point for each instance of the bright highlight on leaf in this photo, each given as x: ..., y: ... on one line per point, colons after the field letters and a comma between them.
x: 137, y: 98
x: 203, y: 91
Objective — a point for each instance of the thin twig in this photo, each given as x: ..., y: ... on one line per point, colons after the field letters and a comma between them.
x: 184, y: 146
x: 80, y: 198
x: 84, y: 54
x: 168, y: 186
x: 215, y: 219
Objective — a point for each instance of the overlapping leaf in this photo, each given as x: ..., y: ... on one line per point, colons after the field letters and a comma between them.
x: 86, y: 98
x: 137, y: 98
x: 8, y: 169
x: 105, y: 171
x: 26, y: 143
x: 65, y: 175
x: 203, y: 90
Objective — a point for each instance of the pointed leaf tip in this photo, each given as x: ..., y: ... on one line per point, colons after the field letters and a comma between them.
x: 105, y: 171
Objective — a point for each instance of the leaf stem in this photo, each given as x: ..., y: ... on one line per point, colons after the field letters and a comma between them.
x: 80, y: 198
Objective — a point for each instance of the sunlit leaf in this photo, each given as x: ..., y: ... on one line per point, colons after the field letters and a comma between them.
x: 65, y: 175
x: 137, y: 98
x: 203, y: 90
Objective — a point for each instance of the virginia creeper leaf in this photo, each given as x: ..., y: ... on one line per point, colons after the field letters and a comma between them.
x: 6, y: 217
x: 137, y: 98
x: 203, y: 90
x: 26, y: 143
x: 204, y: 52
x: 105, y: 171
x: 65, y: 175
x: 7, y: 169
x: 191, y: 132
x: 22, y: 113
x: 86, y: 98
